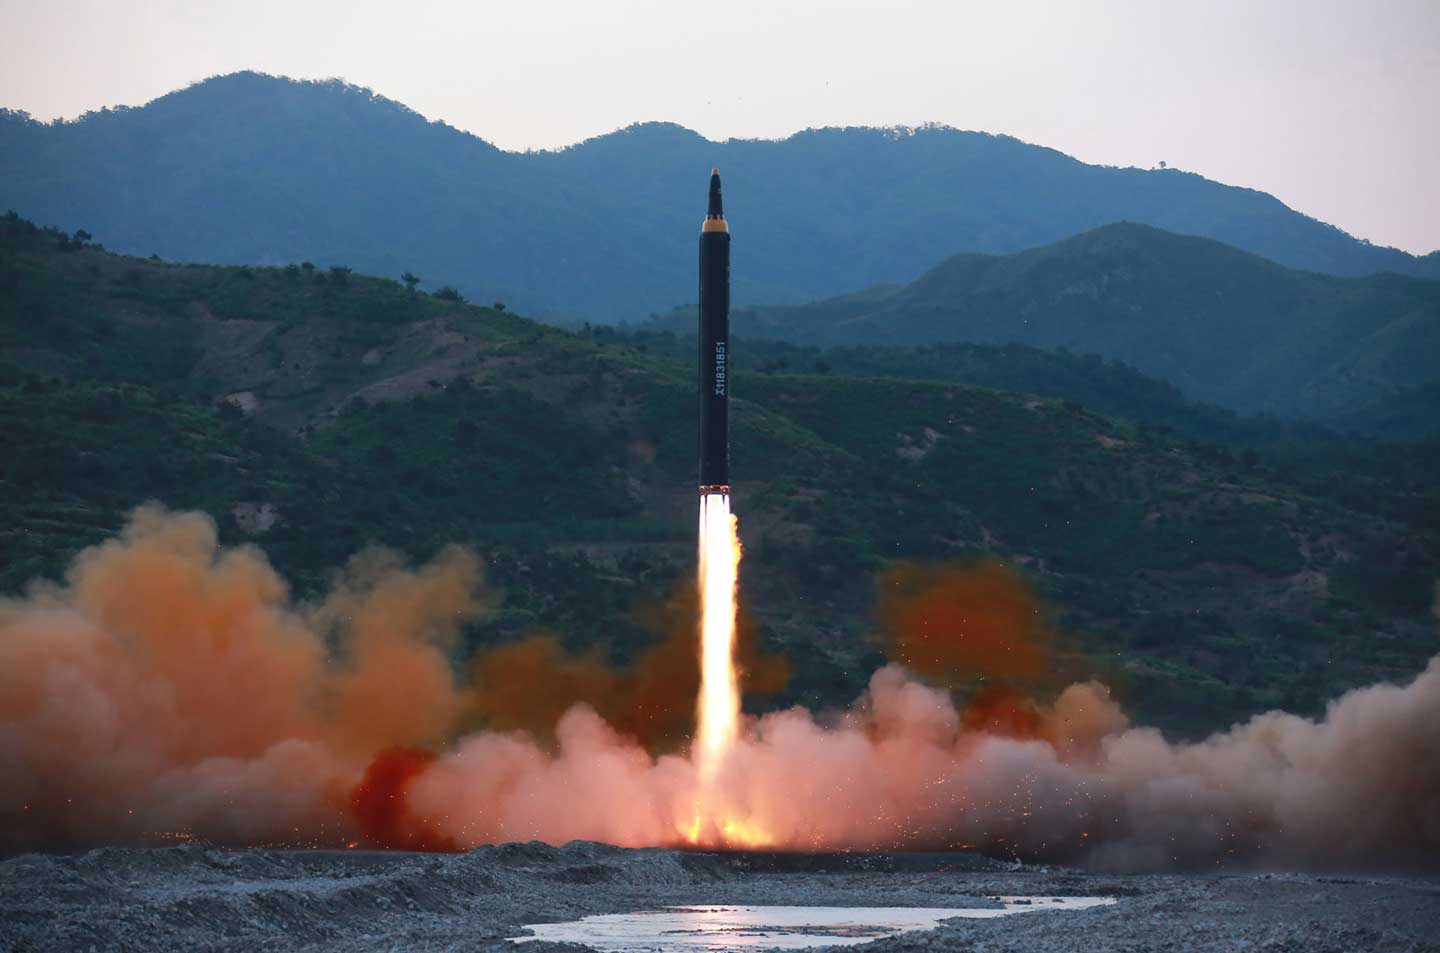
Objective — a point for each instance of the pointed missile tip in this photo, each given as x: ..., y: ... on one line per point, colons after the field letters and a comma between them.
x: 715, y: 214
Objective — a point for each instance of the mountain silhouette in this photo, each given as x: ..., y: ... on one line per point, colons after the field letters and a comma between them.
x: 251, y: 168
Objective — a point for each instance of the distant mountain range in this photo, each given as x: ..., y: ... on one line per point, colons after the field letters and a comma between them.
x: 1223, y: 325
x: 249, y: 168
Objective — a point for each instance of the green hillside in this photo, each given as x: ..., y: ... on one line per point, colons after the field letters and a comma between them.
x: 256, y: 169
x: 1223, y: 326
x: 1106, y: 386
x: 313, y: 412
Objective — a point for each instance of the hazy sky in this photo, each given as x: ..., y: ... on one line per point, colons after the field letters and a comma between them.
x: 1332, y: 107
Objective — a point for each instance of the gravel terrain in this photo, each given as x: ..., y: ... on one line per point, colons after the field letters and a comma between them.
x: 203, y: 898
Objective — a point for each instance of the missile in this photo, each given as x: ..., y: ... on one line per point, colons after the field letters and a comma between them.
x: 714, y: 346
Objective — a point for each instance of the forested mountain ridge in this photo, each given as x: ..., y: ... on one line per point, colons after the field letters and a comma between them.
x: 249, y: 168
x: 1224, y: 326
x: 314, y: 411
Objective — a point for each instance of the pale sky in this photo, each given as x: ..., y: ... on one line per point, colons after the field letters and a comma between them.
x: 1333, y: 107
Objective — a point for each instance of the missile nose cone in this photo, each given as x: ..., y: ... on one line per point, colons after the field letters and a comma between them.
x: 717, y: 208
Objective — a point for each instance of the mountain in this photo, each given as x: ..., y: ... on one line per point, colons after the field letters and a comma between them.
x: 1414, y: 411
x: 249, y: 168
x: 314, y: 411
x: 1225, y: 326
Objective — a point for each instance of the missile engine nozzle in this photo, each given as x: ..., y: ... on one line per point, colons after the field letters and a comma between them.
x: 715, y: 345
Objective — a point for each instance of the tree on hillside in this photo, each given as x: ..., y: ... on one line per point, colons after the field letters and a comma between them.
x: 74, y: 242
x: 410, y: 280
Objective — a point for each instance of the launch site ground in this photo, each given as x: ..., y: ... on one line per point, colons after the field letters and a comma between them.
x: 202, y: 898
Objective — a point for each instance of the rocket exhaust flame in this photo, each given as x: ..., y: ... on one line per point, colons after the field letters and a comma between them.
x: 718, y: 714
x: 718, y: 710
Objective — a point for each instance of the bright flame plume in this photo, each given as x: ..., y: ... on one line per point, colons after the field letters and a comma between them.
x: 718, y: 717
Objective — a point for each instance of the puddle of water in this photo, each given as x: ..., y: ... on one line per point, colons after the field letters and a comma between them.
x: 716, y: 929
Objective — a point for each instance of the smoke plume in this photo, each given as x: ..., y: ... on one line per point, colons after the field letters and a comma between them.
x: 651, y: 701
x: 171, y: 687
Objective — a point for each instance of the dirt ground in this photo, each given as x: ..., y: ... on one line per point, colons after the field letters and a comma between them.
x: 203, y: 898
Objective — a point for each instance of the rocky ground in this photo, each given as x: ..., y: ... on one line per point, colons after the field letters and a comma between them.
x: 202, y: 898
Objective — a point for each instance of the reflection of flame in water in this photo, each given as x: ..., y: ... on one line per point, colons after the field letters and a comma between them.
x: 718, y: 714
x: 710, y: 929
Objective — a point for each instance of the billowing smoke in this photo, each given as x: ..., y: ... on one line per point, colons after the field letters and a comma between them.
x: 171, y: 687
x: 1361, y: 787
x: 651, y: 701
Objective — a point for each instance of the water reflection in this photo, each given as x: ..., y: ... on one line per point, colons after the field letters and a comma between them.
x: 714, y: 929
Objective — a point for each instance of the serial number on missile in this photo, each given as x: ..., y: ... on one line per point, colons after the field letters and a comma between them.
x: 719, y: 369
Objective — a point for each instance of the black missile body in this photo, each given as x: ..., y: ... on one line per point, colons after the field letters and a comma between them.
x: 715, y: 346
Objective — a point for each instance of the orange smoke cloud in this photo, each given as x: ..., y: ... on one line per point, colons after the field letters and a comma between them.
x: 170, y: 687
x: 957, y: 625
x: 1003, y: 712
x: 528, y: 684
x: 380, y: 806
x: 396, y: 629
x: 651, y: 701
